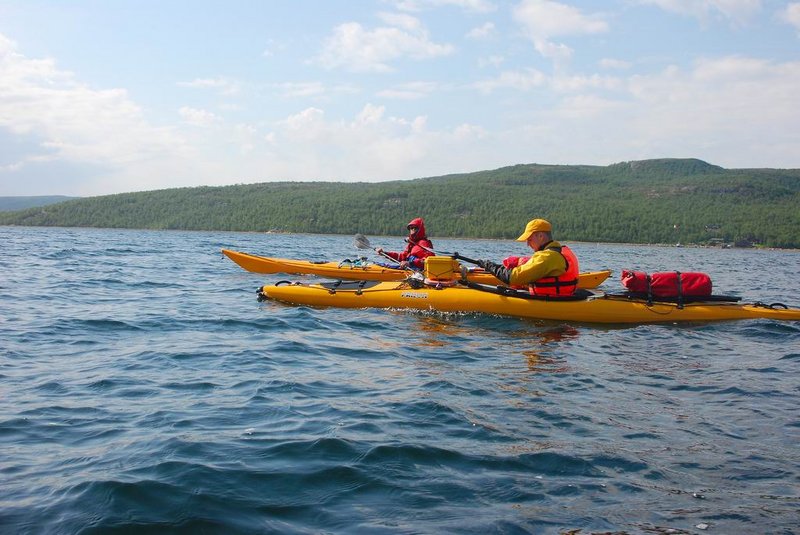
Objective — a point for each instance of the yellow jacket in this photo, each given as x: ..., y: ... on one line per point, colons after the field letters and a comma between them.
x: 544, y: 263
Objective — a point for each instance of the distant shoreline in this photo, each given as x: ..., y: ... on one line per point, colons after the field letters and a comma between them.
x: 459, y: 238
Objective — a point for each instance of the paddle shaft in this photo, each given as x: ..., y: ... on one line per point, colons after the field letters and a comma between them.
x: 465, y: 259
x: 386, y: 256
x: 454, y: 255
x: 362, y: 242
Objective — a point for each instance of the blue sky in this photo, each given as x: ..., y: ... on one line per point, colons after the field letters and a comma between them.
x: 109, y: 96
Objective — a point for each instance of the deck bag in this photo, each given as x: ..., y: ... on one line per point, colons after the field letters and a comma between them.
x: 672, y: 284
x: 441, y: 269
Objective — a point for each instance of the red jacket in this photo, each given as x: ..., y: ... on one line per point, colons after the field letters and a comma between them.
x: 415, y: 251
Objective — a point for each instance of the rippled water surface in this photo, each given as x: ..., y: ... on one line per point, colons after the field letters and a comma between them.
x: 143, y: 389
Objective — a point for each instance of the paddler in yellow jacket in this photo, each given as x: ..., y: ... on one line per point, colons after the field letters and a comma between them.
x: 552, y: 270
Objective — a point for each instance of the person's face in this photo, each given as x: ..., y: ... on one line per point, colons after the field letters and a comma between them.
x: 412, y: 229
x: 535, y: 240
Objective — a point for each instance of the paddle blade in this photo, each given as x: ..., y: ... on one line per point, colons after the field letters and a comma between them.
x: 361, y: 242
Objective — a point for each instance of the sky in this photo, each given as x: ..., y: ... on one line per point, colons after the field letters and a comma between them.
x: 112, y: 96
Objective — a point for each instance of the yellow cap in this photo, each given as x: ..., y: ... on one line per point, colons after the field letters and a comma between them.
x: 535, y: 225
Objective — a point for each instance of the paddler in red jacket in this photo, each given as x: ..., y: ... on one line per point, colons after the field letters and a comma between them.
x: 552, y: 270
x: 417, y: 245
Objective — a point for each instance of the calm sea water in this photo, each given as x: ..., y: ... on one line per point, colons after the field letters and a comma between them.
x: 143, y: 389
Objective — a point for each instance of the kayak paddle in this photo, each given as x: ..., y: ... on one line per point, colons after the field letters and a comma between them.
x: 362, y: 242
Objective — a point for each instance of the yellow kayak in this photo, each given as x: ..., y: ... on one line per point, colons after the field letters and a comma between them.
x: 362, y: 271
x: 588, y: 307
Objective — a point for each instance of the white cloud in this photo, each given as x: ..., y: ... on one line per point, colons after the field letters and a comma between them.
x: 481, y: 32
x: 225, y: 86
x: 371, y: 146
x: 402, y: 21
x: 529, y: 79
x: 520, y: 80
x: 733, y: 111
x: 308, y: 125
x: 354, y: 48
x: 272, y: 48
x: 301, y: 89
x: 544, y: 20
x: 419, y: 124
x: 616, y: 64
x: 245, y: 137
x: 491, y: 61
x: 312, y: 89
x: 197, y: 117
x: 728, y: 98
x: 791, y: 14
x: 737, y: 11
x: 563, y: 84
x: 370, y: 115
x: 589, y: 107
x: 478, y: 6
x: 73, y: 122
x: 469, y: 131
x: 7, y: 46
x: 409, y: 91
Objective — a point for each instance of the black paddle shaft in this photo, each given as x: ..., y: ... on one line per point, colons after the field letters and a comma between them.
x: 452, y: 255
x: 466, y: 259
x: 362, y: 242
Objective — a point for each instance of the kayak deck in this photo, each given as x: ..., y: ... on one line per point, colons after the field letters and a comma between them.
x: 334, y: 270
x: 360, y: 271
x: 590, y: 307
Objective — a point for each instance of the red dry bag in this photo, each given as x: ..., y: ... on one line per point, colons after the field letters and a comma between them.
x: 667, y: 284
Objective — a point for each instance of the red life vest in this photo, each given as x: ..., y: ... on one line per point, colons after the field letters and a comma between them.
x: 564, y: 284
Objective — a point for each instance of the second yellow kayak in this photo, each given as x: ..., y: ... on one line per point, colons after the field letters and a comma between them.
x: 367, y: 271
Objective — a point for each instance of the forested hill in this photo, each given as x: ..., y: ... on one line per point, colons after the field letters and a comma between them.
x: 651, y: 201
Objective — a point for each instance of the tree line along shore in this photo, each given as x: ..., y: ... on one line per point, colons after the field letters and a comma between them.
x: 668, y: 201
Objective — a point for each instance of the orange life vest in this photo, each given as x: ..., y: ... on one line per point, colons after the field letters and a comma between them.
x: 564, y: 284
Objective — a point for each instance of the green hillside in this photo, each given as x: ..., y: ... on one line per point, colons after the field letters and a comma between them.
x: 652, y: 201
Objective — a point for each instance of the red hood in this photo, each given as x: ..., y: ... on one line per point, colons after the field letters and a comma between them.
x: 420, y: 224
